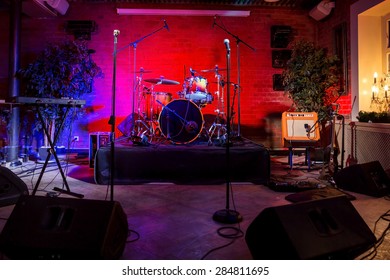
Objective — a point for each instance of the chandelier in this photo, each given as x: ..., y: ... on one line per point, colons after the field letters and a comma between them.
x: 380, y: 100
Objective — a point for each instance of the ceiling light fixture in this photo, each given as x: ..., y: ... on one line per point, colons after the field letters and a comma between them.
x: 168, y: 12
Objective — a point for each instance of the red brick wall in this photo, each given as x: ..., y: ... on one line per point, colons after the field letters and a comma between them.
x: 190, y: 42
x: 339, y: 15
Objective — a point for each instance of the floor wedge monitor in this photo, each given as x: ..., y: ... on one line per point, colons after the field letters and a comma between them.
x: 11, y: 187
x: 367, y: 178
x: 328, y: 228
x: 64, y: 228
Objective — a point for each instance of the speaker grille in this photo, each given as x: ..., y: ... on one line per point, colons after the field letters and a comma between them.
x: 319, y: 229
x: 64, y: 228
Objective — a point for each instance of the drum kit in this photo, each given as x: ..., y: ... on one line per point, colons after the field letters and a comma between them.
x: 160, y: 116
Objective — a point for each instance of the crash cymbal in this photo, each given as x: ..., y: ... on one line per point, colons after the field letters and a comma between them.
x: 161, y: 81
x: 215, y: 69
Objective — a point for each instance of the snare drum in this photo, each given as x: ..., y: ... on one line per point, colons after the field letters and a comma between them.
x: 181, y: 121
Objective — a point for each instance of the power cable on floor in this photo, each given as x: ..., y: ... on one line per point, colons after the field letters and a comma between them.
x: 233, y: 234
x: 237, y: 233
x: 374, y: 250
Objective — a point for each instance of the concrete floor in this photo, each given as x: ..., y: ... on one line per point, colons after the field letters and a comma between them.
x: 174, y: 222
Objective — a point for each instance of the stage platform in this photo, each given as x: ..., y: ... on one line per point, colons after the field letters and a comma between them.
x: 193, y: 163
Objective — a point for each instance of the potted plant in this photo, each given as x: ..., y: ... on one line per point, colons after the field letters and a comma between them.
x: 373, y: 117
x: 64, y: 70
x: 311, y: 78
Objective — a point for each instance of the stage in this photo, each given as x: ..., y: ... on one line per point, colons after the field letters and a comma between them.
x: 193, y: 163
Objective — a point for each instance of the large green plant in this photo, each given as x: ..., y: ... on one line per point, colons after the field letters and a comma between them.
x: 64, y: 70
x: 61, y: 70
x: 310, y: 78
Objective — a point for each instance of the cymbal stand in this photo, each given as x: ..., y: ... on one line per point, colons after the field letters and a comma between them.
x: 153, y: 121
x: 218, y: 122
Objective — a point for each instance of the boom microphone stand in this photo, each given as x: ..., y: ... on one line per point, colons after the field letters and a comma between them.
x: 227, y: 216
x: 134, y: 45
x: 238, y: 41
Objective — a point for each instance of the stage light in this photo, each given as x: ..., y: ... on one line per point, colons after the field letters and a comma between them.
x: 170, y: 12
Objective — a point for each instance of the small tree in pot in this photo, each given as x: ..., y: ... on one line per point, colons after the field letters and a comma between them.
x: 311, y: 78
x: 64, y: 70
x: 311, y: 81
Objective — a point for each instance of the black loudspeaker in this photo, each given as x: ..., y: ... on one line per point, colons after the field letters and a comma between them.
x: 64, y: 228
x: 329, y: 228
x: 280, y: 36
x: 11, y: 187
x: 367, y: 178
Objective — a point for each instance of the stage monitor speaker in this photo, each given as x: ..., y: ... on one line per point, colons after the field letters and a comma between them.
x: 281, y: 36
x: 11, y: 187
x: 328, y: 228
x: 64, y: 228
x: 300, y: 126
x: 367, y: 178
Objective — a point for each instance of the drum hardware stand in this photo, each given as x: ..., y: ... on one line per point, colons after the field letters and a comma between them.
x: 218, y: 125
x: 227, y: 215
x: 238, y: 41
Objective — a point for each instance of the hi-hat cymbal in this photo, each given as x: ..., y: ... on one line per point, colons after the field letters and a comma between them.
x: 215, y: 69
x: 161, y: 81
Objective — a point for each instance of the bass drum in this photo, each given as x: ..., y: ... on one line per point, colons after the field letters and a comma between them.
x: 181, y: 121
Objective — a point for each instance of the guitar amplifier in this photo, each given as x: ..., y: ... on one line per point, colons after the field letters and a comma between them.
x: 300, y: 126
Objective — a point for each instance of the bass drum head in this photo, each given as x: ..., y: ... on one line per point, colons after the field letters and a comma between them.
x: 181, y: 121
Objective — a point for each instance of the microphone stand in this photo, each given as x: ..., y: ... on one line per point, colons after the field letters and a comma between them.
x: 112, y: 117
x: 135, y: 84
x: 238, y: 41
x: 227, y: 216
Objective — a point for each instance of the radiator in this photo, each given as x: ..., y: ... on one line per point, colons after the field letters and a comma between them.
x: 372, y: 142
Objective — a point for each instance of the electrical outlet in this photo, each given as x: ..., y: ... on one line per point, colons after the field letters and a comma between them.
x: 76, y: 138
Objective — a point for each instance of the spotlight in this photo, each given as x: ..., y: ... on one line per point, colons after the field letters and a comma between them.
x: 322, y: 10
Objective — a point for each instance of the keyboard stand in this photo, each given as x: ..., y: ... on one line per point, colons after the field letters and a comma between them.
x: 52, y: 151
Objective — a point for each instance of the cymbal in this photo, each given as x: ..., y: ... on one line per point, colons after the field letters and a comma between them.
x: 215, y: 69
x: 161, y: 81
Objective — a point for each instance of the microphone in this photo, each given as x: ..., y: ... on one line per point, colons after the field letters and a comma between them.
x: 166, y: 25
x: 215, y: 18
x: 116, y: 32
x: 308, y: 129
x: 226, y: 42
